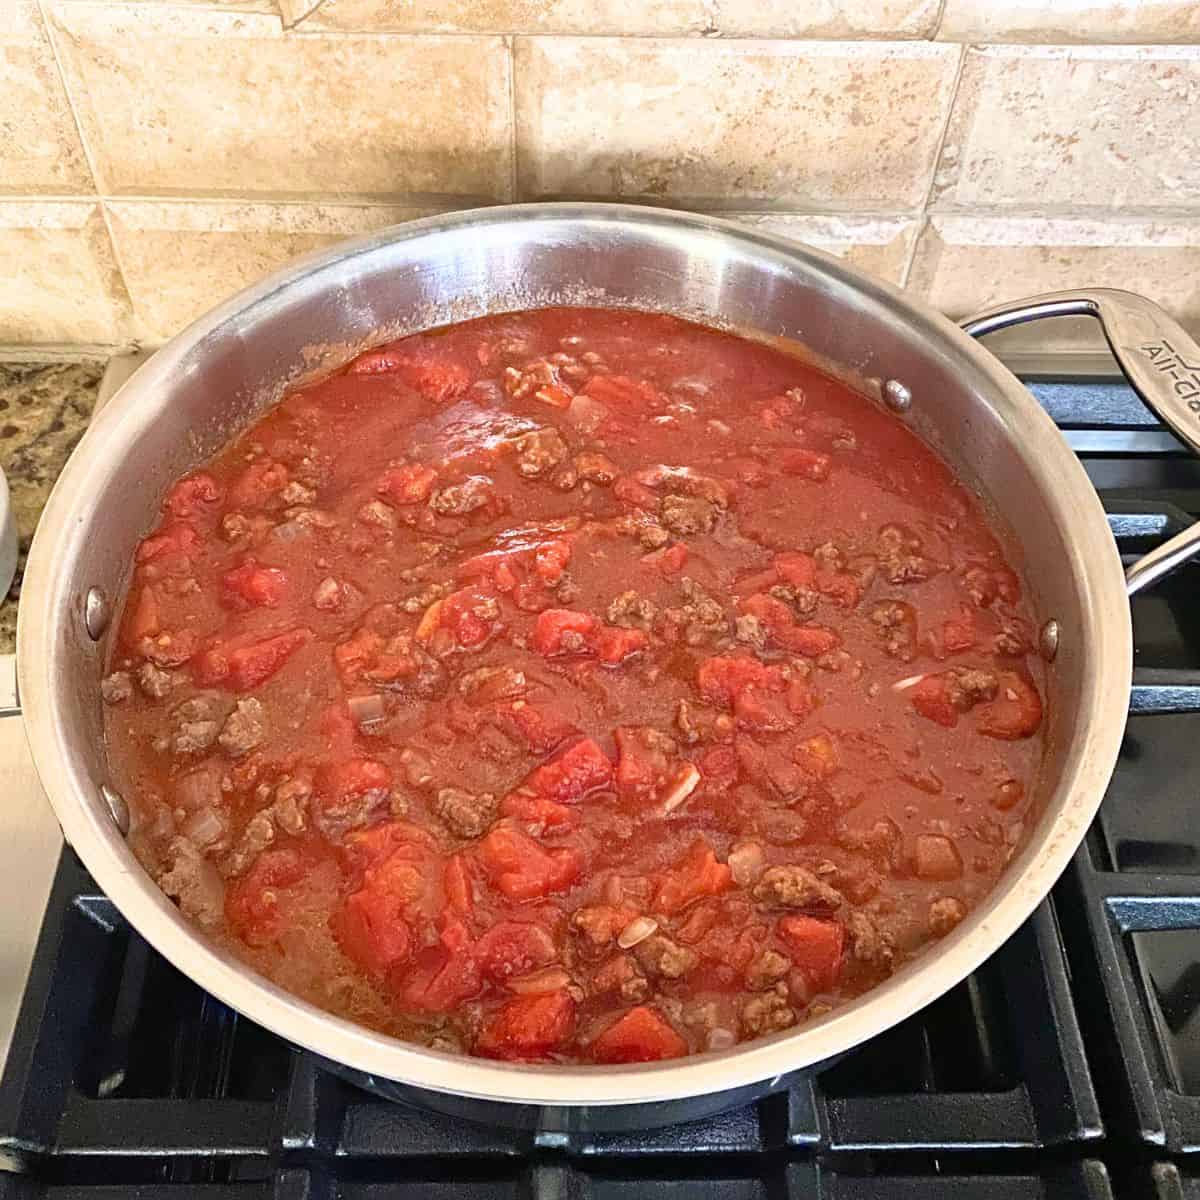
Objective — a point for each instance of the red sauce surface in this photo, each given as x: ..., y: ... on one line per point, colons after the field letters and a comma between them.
x: 575, y: 685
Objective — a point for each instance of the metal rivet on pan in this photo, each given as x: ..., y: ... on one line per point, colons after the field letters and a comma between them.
x: 96, y: 613
x: 896, y: 395
x: 117, y: 807
x: 1048, y: 640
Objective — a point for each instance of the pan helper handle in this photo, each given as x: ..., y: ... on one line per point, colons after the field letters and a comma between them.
x: 1160, y: 360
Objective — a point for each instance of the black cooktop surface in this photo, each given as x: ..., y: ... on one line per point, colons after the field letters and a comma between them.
x: 1067, y: 1067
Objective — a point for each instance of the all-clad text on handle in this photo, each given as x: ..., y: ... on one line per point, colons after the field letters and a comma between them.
x: 1160, y: 359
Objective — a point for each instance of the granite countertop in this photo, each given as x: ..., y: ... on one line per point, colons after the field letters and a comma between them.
x: 44, y: 409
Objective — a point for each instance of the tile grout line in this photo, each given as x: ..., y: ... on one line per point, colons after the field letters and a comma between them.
x: 1100, y: 215
x: 514, y: 175
x: 911, y: 257
x: 288, y: 27
x: 129, y: 321
x: 937, y: 21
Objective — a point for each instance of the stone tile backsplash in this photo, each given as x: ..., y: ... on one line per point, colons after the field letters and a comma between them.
x: 155, y: 157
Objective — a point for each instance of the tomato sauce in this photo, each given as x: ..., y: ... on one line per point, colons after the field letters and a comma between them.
x: 575, y: 685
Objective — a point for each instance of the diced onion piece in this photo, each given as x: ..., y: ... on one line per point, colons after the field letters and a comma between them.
x: 638, y: 930
x: 685, y: 784
x: 902, y: 685
x: 548, y: 979
x: 746, y: 863
x: 366, y: 710
x: 204, y: 827
x: 587, y: 413
x: 720, y: 1039
x: 418, y: 769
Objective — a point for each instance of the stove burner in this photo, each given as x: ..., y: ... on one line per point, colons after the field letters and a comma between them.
x: 1066, y: 1066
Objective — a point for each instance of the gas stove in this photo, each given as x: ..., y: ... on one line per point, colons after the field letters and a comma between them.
x: 1067, y: 1066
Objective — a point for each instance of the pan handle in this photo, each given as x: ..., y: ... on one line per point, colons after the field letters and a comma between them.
x: 1160, y: 360
x: 10, y: 701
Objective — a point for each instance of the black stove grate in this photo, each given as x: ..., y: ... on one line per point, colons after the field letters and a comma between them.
x: 1051, y: 1072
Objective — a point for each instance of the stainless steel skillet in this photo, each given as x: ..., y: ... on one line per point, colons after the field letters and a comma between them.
x: 216, y: 376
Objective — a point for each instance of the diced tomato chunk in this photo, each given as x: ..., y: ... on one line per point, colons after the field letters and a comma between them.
x: 371, y: 930
x: 561, y: 631
x: 522, y: 869
x: 469, y: 614
x: 252, y: 902
x: 721, y: 679
x: 514, y: 948
x: 436, y: 380
x: 408, y: 484
x: 528, y: 1027
x: 550, y: 560
x: 1015, y: 713
x: 696, y: 874
x: 778, y: 411
x: 733, y: 945
x: 367, y: 848
x: 555, y: 396
x: 641, y: 1035
x: 143, y: 619
x: 670, y: 560
x: 815, y: 946
x: 377, y: 657
x: 542, y: 730
x: 800, y: 698
x: 770, y: 610
x: 800, y: 570
x: 809, y: 640
x: 440, y: 977
x: 459, y: 885
x: 176, y: 540
x: 623, y: 392
x: 412, y: 874
x: 719, y: 768
x: 811, y: 464
x: 646, y: 759
x: 931, y: 698
x: 248, y: 666
x: 758, y: 709
x: 841, y: 587
x: 537, y: 813
x: 580, y: 769
x: 629, y: 491
x: 495, y: 565
x: 958, y: 633
x: 615, y: 644
x: 257, y: 484
x: 342, y: 781
x: 250, y: 585
x: 191, y: 494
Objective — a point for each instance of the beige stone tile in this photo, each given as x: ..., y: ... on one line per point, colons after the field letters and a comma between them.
x: 663, y: 18
x: 227, y: 6
x: 965, y: 263
x: 180, y: 258
x: 1103, y: 127
x: 61, y: 283
x: 877, y: 245
x: 827, y: 18
x: 1048, y: 21
x: 187, y: 101
x: 781, y: 124
x: 39, y: 144
x: 648, y: 17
